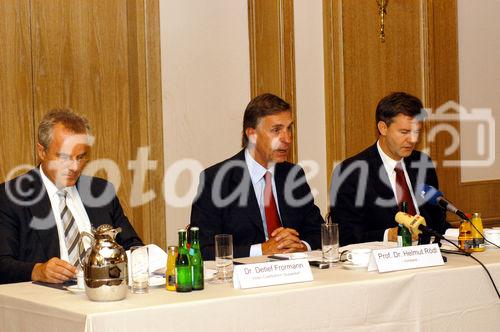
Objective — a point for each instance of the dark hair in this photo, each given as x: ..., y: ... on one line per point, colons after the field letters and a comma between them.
x: 399, y: 103
x: 72, y: 121
x: 259, y: 107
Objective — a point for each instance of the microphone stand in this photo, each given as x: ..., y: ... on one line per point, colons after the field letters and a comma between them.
x: 425, y: 238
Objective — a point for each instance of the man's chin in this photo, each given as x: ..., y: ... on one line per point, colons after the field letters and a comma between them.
x: 405, y: 153
x: 280, y: 156
x: 279, y: 159
x: 66, y: 182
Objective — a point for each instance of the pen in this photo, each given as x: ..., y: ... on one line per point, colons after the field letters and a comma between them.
x: 280, y: 258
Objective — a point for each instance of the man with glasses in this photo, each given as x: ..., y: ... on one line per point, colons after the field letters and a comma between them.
x: 43, y: 211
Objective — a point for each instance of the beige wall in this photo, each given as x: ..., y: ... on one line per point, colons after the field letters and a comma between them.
x: 310, y: 97
x: 206, y: 73
x: 206, y: 86
x: 479, y: 74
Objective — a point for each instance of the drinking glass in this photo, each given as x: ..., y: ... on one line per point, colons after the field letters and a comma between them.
x: 139, y: 262
x: 330, y: 242
x: 223, y: 258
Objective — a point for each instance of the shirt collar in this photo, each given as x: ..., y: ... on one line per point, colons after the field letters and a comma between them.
x: 51, y: 187
x: 389, y: 163
x: 256, y: 170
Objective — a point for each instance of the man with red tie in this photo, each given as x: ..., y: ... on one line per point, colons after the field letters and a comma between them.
x: 256, y: 195
x: 368, y: 189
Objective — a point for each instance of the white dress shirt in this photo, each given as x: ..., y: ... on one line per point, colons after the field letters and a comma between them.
x: 257, y: 172
x: 75, y: 205
x: 389, y: 165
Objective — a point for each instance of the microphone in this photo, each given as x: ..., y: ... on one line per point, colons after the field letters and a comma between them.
x: 436, y: 197
x: 416, y: 224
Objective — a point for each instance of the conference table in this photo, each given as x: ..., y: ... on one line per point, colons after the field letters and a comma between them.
x: 456, y: 296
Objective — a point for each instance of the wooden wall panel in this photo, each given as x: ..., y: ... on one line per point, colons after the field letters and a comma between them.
x: 16, y: 102
x: 101, y: 58
x: 373, y: 69
x: 479, y: 196
x: 146, y: 109
x: 333, y: 54
x: 272, y: 61
x: 80, y: 60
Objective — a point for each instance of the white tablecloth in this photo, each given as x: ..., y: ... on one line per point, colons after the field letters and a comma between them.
x: 455, y: 297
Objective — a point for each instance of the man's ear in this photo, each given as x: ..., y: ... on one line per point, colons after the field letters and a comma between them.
x: 382, y: 128
x: 252, y: 136
x: 40, y: 151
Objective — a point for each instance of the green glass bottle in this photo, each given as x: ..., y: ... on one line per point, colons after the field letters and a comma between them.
x: 196, y: 259
x: 183, y: 276
x: 404, y: 234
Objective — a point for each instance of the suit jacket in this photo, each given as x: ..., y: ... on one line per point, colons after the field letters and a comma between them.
x: 240, y: 216
x: 28, y: 232
x: 364, y: 178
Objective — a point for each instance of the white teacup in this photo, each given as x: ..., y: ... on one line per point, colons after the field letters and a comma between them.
x: 359, y: 257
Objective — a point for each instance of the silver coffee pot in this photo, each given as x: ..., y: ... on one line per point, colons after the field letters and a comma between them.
x: 104, y: 265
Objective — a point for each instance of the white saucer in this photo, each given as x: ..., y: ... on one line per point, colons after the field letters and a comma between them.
x: 351, y: 266
x: 209, y: 274
x: 75, y: 289
x: 156, y: 281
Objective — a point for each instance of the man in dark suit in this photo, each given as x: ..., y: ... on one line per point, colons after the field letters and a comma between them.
x: 42, y: 210
x: 367, y: 190
x: 256, y: 195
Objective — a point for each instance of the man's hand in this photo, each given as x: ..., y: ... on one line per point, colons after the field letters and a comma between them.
x: 283, y: 240
x: 392, y: 235
x: 55, y: 271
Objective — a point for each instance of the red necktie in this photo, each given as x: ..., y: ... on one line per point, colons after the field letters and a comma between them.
x: 272, y: 217
x: 402, y: 190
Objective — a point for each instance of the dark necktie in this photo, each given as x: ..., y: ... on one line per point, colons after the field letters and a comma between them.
x: 71, y: 233
x: 271, y: 211
x: 402, y: 190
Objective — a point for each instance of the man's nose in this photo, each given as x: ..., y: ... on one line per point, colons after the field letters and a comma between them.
x: 286, y: 137
x: 414, y: 137
x: 73, y: 165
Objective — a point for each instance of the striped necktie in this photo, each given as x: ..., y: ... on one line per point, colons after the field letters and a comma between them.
x: 71, y: 233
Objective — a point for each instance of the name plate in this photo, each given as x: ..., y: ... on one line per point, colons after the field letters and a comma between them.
x: 271, y: 273
x: 405, y: 258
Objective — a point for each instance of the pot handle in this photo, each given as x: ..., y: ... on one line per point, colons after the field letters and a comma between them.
x: 81, y: 249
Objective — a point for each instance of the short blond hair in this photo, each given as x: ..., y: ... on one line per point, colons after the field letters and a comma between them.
x: 65, y: 116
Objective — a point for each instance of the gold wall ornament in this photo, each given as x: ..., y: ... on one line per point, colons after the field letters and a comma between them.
x: 382, y: 4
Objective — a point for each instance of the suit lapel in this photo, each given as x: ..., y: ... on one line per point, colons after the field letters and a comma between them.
x: 412, y: 175
x: 43, y: 222
x: 91, y: 212
x: 279, y: 180
x: 379, y: 175
x: 241, y: 176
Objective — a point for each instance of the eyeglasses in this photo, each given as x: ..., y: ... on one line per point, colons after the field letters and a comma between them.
x: 67, y: 160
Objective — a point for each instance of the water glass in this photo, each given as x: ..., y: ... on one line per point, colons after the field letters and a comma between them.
x: 223, y: 258
x: 330, y: 242
x: 139, y: 262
